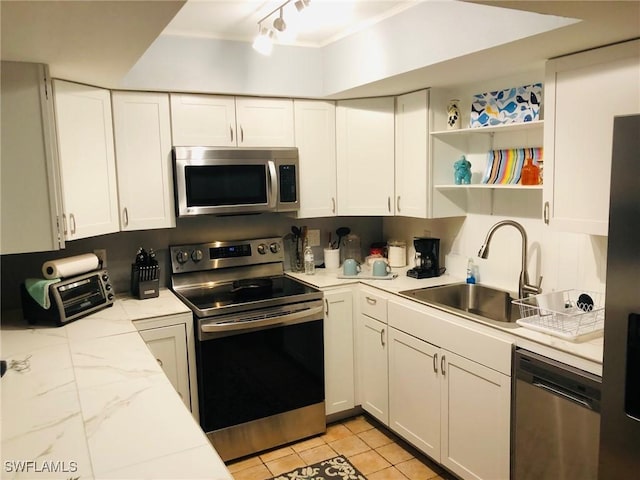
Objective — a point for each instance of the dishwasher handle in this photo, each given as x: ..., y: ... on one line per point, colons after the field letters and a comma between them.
x: 559, y: 391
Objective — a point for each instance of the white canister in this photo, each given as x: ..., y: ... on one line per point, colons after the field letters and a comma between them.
x: 397, y: 253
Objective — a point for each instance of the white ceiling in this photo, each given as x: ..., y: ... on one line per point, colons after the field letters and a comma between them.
x: 323, y: 22
x: 99, y: 41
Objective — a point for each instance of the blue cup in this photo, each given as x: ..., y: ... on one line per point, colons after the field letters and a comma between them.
x: 380, y: 268
x: 350, y: 267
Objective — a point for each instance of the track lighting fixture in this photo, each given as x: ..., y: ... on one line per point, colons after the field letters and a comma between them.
x: 263, y: 43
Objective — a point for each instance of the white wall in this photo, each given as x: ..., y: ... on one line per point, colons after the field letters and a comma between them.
x: 192, y: 64
x: 424, y: 35
x: 565, y: 260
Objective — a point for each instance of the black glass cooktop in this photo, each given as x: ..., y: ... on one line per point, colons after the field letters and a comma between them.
x: 254, y: 290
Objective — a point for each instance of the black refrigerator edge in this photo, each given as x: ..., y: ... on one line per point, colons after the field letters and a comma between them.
x: 619, y: 456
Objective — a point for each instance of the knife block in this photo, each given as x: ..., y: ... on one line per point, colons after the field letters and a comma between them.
x: 144, y: 281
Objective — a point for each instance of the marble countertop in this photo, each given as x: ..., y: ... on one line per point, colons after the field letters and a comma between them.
x: 585, y: 355
x: 94, y: 403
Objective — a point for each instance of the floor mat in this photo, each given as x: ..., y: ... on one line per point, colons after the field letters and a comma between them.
x: 334, y: 468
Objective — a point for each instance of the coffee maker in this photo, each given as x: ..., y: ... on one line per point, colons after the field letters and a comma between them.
x: 426, y: 259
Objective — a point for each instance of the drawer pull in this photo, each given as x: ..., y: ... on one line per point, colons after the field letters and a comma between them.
x: 382, y: 337
x: 159, y: 362
x: 326, y: 302
x: 371, y: 301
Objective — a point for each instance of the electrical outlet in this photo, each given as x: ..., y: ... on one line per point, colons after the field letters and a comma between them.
x: 313, y: 235
x: 101, y: 253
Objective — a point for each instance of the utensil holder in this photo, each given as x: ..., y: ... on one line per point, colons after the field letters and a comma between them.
x: 144, y: 281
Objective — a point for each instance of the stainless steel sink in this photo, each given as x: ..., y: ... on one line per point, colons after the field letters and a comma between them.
x: 477, y: 300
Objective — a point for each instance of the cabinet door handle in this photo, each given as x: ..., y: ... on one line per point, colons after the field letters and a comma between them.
x: 159, y: 362
x: 333, y: 205
x: 398, y: 203
x: 125, y: 216
x: 546, y: 213
x: 382, y: 337
x: 241, y: 134
x: 326, y: 302
x: 371, y: 301
x: 72, y: 221
x: 231, y: 132
x: 389, y: 204
x: 435, y: 363
x: 442, y: 360
x: 64, y: 223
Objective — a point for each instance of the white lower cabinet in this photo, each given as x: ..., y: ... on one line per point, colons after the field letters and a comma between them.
x: 475, y: 419
x: 171, y: 341
x: 374, y: 369
x: 414, y: 391
x: 372, y: 361
x: 339, y: 372
x: 446, y: 404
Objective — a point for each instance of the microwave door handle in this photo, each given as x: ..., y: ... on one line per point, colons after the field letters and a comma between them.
x: 273, y: 184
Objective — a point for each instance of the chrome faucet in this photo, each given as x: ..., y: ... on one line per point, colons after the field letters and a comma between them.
x: 524, y: 289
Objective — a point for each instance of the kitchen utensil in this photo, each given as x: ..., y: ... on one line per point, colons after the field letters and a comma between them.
x: 342, y: 232
x: 350, y: 267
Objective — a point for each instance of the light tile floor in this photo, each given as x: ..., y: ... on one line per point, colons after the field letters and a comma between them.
x: 372, y: 449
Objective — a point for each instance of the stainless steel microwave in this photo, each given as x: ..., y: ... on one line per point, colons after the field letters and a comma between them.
x: 223, y: 181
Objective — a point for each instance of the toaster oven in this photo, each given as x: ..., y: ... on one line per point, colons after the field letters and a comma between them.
x: 71, y: 298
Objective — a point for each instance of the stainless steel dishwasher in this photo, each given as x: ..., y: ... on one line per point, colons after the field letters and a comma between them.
x: 556, y: 419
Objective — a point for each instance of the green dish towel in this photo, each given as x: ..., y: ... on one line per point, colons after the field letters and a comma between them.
x: 38, y: 288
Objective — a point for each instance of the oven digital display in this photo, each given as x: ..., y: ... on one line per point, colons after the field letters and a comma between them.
x: 230, y: 251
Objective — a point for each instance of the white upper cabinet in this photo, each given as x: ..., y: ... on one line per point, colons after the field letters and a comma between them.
x: 412, y: 155
x: 223, y: 121
x: 264, y: 122
x: 142, y: 128
x: 365, y: 153
x: 207, y: 120
x: 315, y: 127
x: 87, y: 161
x: 30, y: 192
x: 583, y: 94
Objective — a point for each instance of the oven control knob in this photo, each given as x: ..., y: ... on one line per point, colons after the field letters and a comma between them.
x: 105, y: 277
x: 110, y: 297
x: 182, y: 256
x: 262, y: 248
x: 274, y: 247
x: 107, y: 287
x: 196, y: 255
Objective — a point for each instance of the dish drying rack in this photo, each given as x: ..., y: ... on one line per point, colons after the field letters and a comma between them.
x: 564, y: 314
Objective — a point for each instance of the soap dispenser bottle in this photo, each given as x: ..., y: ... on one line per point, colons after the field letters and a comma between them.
x: 471, y: 276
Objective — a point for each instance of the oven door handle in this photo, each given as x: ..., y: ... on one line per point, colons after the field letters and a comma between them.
x: 295, y: 317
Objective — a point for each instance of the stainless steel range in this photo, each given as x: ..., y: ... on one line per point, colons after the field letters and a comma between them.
x: 259, y: 344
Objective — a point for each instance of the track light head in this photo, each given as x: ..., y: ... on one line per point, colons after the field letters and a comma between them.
x: 302, y: 4
x: 279, y: 24
x: 263, y: 43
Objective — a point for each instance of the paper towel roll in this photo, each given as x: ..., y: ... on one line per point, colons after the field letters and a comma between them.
x: 67, y: 267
